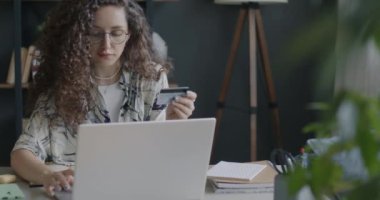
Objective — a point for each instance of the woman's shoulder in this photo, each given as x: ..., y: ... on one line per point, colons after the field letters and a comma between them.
x: 149, y: 87
x: 158, y: 67
x: 45, y: 104
x: 160, y: 77
x: 160, y: 71
x: 159, y: 74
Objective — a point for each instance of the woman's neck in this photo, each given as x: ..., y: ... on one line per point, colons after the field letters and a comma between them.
x: 103, y: 76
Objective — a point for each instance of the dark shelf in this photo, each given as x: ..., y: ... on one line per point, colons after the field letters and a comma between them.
x: 10, y: 86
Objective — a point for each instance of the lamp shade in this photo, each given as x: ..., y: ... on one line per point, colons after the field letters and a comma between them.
x: 238, y: 2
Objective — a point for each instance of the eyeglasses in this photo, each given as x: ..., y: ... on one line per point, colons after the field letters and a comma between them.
x: 116, y: 36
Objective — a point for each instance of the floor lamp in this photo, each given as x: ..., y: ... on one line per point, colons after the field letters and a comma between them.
x: 251, y: 9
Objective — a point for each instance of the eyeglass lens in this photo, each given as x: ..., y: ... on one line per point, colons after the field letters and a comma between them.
x: 116, y: 36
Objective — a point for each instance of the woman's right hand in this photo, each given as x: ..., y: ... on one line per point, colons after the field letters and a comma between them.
x: 56, y: 181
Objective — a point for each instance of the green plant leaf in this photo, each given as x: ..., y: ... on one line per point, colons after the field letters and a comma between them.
x: 325, y: 174
x: 366, y: 139
x: 366, y: 190
x: 297, y: 180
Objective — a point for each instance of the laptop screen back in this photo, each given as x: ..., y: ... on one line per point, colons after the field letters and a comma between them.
x: 143, y: 160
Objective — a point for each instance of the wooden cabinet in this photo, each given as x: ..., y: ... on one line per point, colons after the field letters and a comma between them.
x: 19, y: 20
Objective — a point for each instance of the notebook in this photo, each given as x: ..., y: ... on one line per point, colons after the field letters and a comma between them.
x: 263, y: 182
x: 165, y: 160
x: 235, y: 171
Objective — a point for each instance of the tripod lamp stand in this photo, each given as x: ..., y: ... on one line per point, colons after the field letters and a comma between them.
x: 250, y: 9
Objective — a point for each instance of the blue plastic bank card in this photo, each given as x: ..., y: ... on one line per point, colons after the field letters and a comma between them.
x: 168, y: 94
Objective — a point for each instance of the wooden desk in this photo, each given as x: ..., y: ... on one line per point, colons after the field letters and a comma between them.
x: 39, y: 193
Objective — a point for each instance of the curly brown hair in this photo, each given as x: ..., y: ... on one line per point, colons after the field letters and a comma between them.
x: 64, y: 72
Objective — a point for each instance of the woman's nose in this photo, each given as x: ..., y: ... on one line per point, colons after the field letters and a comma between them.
x: 106, y: 41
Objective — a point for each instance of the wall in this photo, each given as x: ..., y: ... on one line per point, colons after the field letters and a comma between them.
x: 199, y: 34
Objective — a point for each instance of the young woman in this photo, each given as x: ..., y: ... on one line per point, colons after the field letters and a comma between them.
x: 97, y: 66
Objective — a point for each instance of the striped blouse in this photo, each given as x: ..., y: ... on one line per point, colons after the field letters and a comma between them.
x: 47, y: 137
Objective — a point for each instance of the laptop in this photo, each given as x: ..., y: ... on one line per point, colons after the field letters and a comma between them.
x: 161, y: 160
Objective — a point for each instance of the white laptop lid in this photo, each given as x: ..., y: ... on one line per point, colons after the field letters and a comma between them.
x: 164, y: 160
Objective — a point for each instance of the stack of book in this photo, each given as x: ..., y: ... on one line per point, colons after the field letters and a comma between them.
x: 28, y: 61
x: 229, y: 177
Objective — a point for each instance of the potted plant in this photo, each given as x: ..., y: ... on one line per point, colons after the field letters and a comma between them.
x: 348, y: 165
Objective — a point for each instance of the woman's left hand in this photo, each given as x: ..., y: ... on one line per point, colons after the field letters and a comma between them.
x: 182, y: 107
